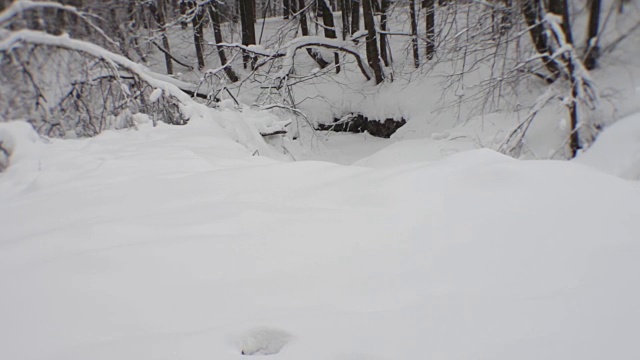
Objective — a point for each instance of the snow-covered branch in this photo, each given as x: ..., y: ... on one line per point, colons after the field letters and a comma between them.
x: 20, y: 6
x: 580, y: 78
x: 169, y: 85
x: 317, y: 41
x: 288, y: 51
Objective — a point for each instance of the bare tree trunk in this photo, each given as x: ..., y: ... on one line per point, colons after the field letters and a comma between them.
x: 430, y: 22
x: 561, y: 8
x: 574, y: 139
x: 217, y: 34
x: 183, y: 12
x: 346, y: 18
x: 304, y: 29
x: 115, y: 28
x: 316, y: 10
x: 236, y: 12
x: 157, y: 9
x: 329, y: 28
x: 593, y: 49
x: 384, y: 46
x: 355, y: 16
x: 254, y: 12
x: 134, y: 24
x: 532, y: 12
x: 247, y: 20
x: 373, y: 55
x: 414, y: 33
x: 285, y: 8
x: 198, y: 34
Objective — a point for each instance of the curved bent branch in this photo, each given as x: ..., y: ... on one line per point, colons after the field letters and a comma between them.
x: 20, y: 6
x: 288, y: 52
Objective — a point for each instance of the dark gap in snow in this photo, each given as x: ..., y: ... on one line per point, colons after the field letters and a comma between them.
x: 358, y: 123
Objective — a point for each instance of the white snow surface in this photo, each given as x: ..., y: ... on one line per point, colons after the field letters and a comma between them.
x: 175, y: 243
x: 155, y: 95
x: 617, y: 150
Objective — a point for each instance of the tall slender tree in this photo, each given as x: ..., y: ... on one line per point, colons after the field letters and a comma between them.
x: 304, y: 29
x: 183, y: 14
x: 329, y: 27
x: 345, y: 6
x: 561, y: 8
x: 355, y: 16
x: 373, y: 55
x: 217, y: 34
x: 247, y: 23
x: 532, y: 12
x: 414, y: 33
x: 198, y: 33
x: 593, y: 50
x: 385, y: 49
x: 286, y: 8
x: 430, y: 22
x: 158, y: 10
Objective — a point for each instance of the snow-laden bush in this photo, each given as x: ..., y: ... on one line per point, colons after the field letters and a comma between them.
x: 68, y: 87
x: 64, y: 92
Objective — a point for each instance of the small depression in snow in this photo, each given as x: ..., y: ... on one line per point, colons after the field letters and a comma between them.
x: 263, y: 341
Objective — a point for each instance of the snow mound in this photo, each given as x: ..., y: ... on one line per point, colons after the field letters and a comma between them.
x: 617, y: 149
x: 415, y: 150
x: 414, y: 146
x: 17, y: 142
x: 155, y: 95
x: 160, y: 243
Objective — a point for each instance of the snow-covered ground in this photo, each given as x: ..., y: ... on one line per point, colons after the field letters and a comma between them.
x: 203, y: 242
x: 617, y: 150
x: 177, y: 243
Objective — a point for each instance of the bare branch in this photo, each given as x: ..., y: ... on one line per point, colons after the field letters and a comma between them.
x: 289, y: 49
x: 20, y: 6
x: 171, y: 55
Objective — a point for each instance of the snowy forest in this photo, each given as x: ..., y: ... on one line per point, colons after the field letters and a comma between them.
x: 317, y: 65
x: 330, y: 179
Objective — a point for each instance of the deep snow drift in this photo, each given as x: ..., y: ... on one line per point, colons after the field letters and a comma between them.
x: 617, y: 150
x: 176, y: 243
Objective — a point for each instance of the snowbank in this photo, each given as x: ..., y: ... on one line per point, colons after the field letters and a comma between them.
x: 171, y: 243
x: 414, y: 150
x: 617, y: 149
x: 38, y: 162
x: 18, y: 141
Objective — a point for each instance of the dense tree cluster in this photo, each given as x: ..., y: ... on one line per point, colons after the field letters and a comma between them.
x: 230, y: 46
